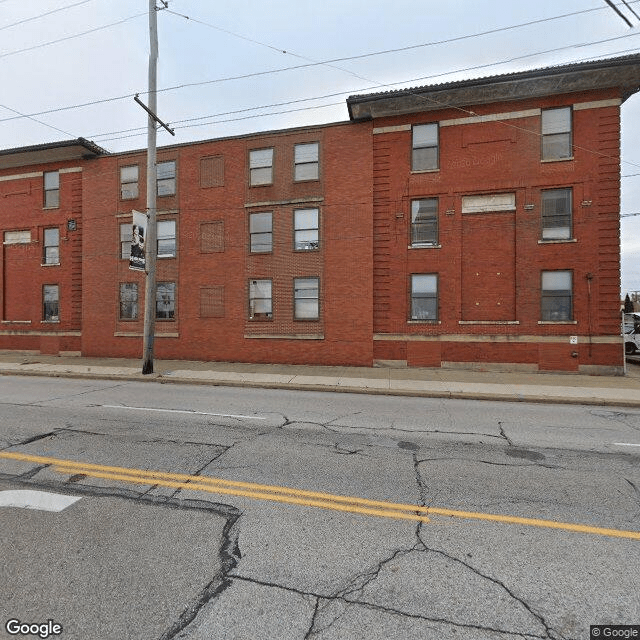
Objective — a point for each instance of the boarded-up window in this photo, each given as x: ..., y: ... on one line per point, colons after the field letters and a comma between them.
x: 212, y: 171
x: 212, y: 237
x: 212, y: 302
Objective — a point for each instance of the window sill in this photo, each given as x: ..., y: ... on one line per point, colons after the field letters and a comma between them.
x: 559, y: 241
x: 425, y: 246
x: 419, y: 171
x: 433, y: 322
x: 544, y: 160
x: 51, y: 264
x: 50, y: 322
x: 136, y: 334
x: 284, y: 336
x: 488, y: 322
x: 557, y: 322
x: 50, y: 208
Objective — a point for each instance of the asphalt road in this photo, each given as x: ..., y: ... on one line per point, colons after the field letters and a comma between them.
x: 249, y: 514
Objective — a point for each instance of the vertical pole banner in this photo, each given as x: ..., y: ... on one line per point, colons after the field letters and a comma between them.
x: 137, y: 260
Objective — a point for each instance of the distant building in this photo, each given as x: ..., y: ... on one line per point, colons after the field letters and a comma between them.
x: 468, y: 224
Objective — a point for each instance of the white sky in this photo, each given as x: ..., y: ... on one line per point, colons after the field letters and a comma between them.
x: 224, y: 42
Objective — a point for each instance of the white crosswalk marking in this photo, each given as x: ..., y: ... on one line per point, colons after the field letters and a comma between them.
x: 41, y: 500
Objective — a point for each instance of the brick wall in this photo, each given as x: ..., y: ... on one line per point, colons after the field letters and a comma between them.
x: 212, y: 272
x: 24, y: 269
x: 489, y: 264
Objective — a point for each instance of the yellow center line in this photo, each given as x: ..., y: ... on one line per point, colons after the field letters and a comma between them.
x: 298, y: 496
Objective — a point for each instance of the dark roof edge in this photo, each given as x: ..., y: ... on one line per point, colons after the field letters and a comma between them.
x: 529, y: 74
x: 92, y: 148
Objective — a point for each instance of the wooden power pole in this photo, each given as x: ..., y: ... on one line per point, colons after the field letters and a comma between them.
x: 150, y: 241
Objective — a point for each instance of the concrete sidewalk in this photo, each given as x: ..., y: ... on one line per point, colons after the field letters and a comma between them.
x: 434, y: 383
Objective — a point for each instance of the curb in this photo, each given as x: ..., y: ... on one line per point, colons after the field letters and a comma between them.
x: 415, y: 393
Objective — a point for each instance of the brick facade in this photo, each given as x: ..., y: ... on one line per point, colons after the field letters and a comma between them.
x: 489, y: 264
x: 337, y: 232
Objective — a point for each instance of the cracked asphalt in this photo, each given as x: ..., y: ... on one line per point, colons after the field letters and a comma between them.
x: 242, y: 565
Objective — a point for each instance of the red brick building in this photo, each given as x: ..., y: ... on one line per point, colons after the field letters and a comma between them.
x: 468, y: 224
x: 41, y: 220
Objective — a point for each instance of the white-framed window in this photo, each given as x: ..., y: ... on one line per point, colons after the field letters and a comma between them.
x: 17, y: 237
x: 166, y: 238
x: 261, y: 232
x: 556, y: 214
x: 424, y: 296
x: 260, y: 167
x: 128, y: 301
x: 165, y: 301
x: 424, y: 222
x: 260, y: 301
x: 556, y: 296
x: 51, y: 189
x: 51, y: 303
x: 556, y: 134
x: 306, y: 298
x: 51, y: 246
x: 126, y: 234
x: 306, y: 230
x: 166, y: 178
x: 424, y: 153
x: 306, y: 161
x: 129, y: 189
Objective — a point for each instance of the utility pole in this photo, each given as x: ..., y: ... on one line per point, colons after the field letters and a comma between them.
x: 150, y: 241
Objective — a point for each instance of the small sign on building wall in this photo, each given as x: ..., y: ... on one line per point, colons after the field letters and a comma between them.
x: 573, y: 339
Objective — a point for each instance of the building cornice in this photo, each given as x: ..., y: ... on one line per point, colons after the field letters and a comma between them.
x: 621, y: 74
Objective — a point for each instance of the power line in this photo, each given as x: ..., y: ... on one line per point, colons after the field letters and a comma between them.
x: 71, y: 37
x: 42, y: 15
x: 310, y: 64
x: 626, y: 4
x: 430, y: 77
x: 613, y: 6
x: 408, y: 47
x: 316, y: 63
x: 66, y: 133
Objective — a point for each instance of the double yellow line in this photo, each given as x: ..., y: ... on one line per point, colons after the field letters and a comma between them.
x: 297, y: 496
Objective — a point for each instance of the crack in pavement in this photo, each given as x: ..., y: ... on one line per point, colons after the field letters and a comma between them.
x: 69, y: 395
x: 550, y: 633
x: 504, y: 435
x: 324, y: 604
x: 204, y: 466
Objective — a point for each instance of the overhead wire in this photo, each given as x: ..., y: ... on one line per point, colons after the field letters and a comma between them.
x: 44, y: 15
x: 308, y: 64
x: 70, y: 37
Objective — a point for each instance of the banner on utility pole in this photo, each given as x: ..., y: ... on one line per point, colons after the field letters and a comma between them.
x: 137, y: 260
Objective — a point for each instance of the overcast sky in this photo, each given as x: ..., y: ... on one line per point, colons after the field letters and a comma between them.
x: 234, y: 67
